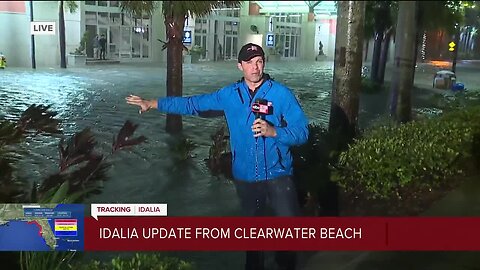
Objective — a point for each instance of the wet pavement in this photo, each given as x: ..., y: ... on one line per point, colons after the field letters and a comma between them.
x: 94, y: 97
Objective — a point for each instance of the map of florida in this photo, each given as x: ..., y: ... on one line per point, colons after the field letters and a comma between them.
x: 15, y: 212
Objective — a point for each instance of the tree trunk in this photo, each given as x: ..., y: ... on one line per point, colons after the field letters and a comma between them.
x: 384, y: 56
x: 366, y: 49
x: 467, y: 44
x: 174, y: 28
x: 415, y: 53
x: 476, y: 46
x: 440, y: 45
x: 343, y: 123
x: 455, y: 52
x: 377, y: 45
x: 347, y: 66
x: 402, y: 81
x: 61, y: 32
x: 419, y: 21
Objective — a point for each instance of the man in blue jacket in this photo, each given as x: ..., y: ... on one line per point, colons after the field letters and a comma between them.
x: 260, y: 139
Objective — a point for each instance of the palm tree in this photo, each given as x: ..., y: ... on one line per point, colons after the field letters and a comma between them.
x: 402, y: 79
x: 379, y: 11
x: 72, y: 7
x: 434, y: 15
x: 382, y: 15
x: 175, y: 13
x: 347, y: 67
x: 311, y: 9
x: 414, y: 18
x: 346, y: 82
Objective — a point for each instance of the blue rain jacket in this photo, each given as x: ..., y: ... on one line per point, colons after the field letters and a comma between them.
x: 254, y: 159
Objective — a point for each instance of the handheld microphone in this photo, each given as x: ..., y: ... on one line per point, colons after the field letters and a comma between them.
x: 261, y: 108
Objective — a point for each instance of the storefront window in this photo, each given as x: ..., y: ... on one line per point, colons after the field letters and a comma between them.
x: 115, y: 19
x: 90, y: 18
x: 103, y: 18
x: 228, y: 28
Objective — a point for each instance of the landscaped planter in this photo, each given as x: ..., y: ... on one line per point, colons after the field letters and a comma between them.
x: 191, y: 58
x: 273, y: 57
x: 76, y: 60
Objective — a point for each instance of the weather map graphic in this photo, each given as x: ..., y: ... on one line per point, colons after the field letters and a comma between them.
x: 41, y: 227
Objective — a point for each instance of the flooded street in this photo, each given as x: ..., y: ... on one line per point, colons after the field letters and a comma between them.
x: 95, y: 97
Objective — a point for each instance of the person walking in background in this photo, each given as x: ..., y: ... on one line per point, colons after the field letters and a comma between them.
x: 219, y: 51
x: 96, y: 47
x: 103, y: 46
x: 264, y: 119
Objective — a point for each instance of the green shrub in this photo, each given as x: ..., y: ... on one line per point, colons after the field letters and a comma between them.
x: 468, y: 117
x: 45, y: 260
x: 391, y: 162
x: 140, y: 261
x: 182, y: 149
x: 457, y: 100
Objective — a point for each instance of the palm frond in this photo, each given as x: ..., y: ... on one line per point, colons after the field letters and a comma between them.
x: 79, y: 148
x: 9, y: 134
x: 195, y: 8
x: 95, y: 170
x: 6, y: 166
x: 71, y: 6
x: 82, y: 182
x: 124, y: 137
x: 40, y: 119
x: 175, y: 8
x: 139, y: 8
x: 49, y: 183
x: 12, y: 191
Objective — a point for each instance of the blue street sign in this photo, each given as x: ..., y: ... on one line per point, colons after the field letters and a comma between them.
x: 187, y: 37
x: 270, y: 40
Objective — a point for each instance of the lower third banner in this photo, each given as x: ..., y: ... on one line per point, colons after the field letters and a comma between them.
x: 268, y: 233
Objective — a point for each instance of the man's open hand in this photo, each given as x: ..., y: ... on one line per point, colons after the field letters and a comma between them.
x: 144, y: 104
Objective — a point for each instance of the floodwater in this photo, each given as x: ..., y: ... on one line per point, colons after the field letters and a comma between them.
x: 94, y: 97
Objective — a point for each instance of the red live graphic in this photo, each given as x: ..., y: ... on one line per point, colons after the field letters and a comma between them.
x: 280, y: 233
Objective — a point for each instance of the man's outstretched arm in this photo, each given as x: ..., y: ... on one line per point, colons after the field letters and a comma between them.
x: 193, y: 105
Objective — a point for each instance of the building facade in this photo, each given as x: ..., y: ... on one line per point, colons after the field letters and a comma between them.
x: 293, y: 33
x: 296, y: 35
x: 128, y: 39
